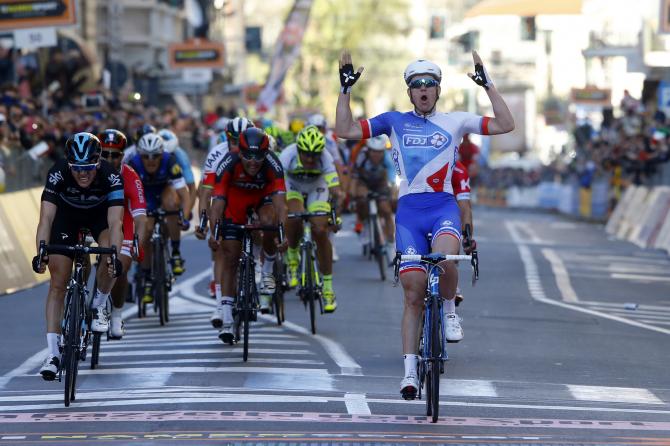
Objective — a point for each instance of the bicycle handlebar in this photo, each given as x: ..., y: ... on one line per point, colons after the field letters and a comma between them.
x: 163, y: 213
x: 432, y: 258
x: 306, y: 215
x: 248, y: 227
x: 45, y: 250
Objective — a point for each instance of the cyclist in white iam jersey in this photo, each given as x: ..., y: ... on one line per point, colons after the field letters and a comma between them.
x: 424, y: 154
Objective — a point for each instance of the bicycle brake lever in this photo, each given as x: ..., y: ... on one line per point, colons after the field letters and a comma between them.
x: 475, y: 267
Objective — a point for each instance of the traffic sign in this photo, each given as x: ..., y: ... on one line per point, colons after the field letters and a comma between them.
x: 29, y: 38
x: 196, y: 53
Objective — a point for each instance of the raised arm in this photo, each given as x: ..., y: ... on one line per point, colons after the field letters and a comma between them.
x: 503, y: 121
x: 345, y: 126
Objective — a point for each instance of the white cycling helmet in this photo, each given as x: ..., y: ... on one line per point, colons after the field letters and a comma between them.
x: 150, y: 144
x: 317, y: 119
x: 422, y: 66
x: 170, y: 139
x: 378, y: 143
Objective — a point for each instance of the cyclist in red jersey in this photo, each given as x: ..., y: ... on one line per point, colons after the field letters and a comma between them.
x: 252, y: 178
x: 460, y: 182
x: 468, y: 155
x: 113, y: 144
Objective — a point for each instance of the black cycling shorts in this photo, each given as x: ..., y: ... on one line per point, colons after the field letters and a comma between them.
x: 68, y: 222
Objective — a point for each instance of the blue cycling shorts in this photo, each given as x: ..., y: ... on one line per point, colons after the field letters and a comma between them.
x: 421, y: 214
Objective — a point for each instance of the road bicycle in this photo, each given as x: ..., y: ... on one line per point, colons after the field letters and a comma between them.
x: 310, y: 286
x: 432, y: 345
x: 280, y: 273
x: 75, y: 326
x: 376, y: 245
x: 246, y: 305
x: 162, y: 276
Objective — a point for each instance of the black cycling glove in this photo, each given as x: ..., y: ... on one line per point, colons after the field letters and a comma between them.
x: 37, y: 263
x: 348, y: 77
x: 481, y: 77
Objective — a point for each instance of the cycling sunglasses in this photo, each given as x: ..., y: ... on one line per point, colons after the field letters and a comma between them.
x: 424, y: 82
x: 152, y: 156
x: 106, y: 154
x: 249, y: 155
x: 83, y: 167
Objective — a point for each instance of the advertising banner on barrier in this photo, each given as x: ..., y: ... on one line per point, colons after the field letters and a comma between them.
x: 35, y: 14
x: 287, y: 50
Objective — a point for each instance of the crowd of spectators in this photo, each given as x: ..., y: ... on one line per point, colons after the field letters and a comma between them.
x: 33, y: 133
x: 623, y: 150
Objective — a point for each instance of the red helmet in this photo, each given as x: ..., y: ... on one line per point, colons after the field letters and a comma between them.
x: 112, y: 139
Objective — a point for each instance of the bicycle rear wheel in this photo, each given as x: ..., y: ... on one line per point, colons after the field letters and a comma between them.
x: 435, y: 357
x: 278, y: 296
x: 378, y: 247
x: 158, y: 274
x: 71, y: 347
x: 167, y: 284
x: 95, y: 354
x: 249, y: 277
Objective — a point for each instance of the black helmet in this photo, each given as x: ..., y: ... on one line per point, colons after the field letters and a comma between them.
x: 141, y: 131
x: 83, y: 148
x: 254, y: 143
x: 113, y: 139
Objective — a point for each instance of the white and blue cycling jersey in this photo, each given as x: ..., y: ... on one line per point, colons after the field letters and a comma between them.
x: 424, y: 155
x: 185, y: 164
x: 424, y: 148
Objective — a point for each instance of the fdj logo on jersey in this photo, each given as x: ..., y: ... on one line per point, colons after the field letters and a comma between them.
x: 435, y: 141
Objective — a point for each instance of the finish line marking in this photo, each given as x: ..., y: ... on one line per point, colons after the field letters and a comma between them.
x: 313, y: 417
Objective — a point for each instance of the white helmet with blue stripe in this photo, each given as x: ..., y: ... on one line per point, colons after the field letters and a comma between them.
x: 170, y: 139
x: 150, y: 144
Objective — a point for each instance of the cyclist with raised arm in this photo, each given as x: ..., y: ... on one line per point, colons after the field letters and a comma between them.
x: 251, y: 179
x: 113, y: 143
x: 372, y: 171
x: 310, y: 171
x: 81, y: 192
x: 162, y: 181
x: 424, y: 154
x: 229, y: 142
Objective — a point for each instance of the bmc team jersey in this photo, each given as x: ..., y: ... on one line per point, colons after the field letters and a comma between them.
x: 424, y: 148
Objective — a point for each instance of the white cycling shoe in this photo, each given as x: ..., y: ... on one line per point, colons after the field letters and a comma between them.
x: 100, y: 319
x: 409, y: 386
x: 453, y: 330
x: 116, y: 329
x: 226, y: 334
x: 268, y: 284
x: 50, y: 368
x: 217, y: 317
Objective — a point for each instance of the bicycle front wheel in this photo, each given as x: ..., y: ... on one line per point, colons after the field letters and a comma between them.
x: 158, y: 273
x: 435, y: 357
x: 309, y: 289
x: 378, y: 248
x: 95, y: 354
x: 249, y: 277
x: 71, y: 345
x: 278, y: 297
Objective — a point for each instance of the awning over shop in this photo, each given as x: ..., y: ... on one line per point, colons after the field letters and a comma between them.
x: 525, y: 8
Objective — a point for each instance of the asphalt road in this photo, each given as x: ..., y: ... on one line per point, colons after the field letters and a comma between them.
x: 551, y: 355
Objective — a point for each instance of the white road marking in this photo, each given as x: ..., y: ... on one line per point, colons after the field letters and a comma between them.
x: 467, y: 387
x: 212, y: 334
x: 150, y: 370
x: 199, y: 360
x: 646, y: 321
x: 356, y: 404
x: 562, y: 276
x: 207, y: 341
x: 613, y: 394
x: 13, y: 437
x: 619, y: 305
x: 538, y: 294
x: 336, y: 351
x: 223, y: 350
x: 640, y: 277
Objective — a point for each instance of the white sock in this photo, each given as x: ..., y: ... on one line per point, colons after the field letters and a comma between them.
x: 52, y: 343
x: 268, y: 263
x: 410, y: 364
x: 211, y: 274
x: 100, y: 298
x: 450, y: 306
x: 116, y: 312
x: 257, y: 252
x: 227, y: 304
x: 217, y: 292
